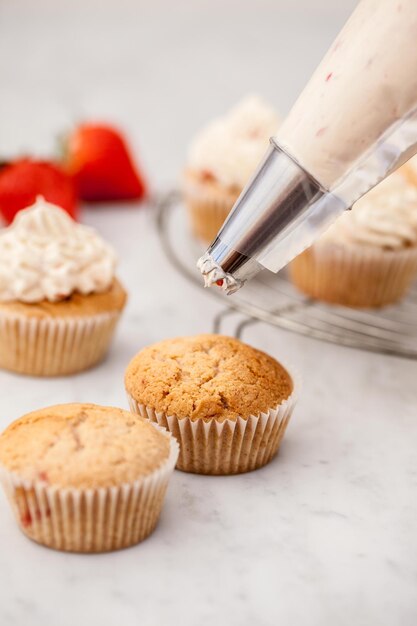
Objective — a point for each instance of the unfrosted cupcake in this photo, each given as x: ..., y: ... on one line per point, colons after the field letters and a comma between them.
x: 368, y: 258
x: 221, y: 159
x: 86, y: 478
x: 59, y: 298
x: 226, y: 403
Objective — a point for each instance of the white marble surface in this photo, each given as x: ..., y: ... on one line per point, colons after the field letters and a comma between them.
x: 326, y: 533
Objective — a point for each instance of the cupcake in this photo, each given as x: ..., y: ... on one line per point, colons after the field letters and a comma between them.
x: 86, y: 478
x: 221, y: 160
x: 368, y: 257
x: 409, y: 170
x: 59, y: 298
x: 226, y: 403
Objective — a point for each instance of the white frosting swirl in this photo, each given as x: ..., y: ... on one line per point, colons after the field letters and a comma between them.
x: 386, y: 217
x: 231, y: 146
x: 45, y: 255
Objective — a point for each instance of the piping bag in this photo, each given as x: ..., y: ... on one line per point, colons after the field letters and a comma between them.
x: 354, y: 123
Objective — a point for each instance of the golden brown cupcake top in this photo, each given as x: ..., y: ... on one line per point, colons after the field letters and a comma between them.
x: 83, y: 446
x: 76, y: 305
x: 205, y: 377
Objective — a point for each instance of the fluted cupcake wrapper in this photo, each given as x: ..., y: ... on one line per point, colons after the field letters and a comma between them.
x: 354, y: 275
x: 224, y: 447
x: 54, y: 346
x: 207, y: 208
x: 90, y: 520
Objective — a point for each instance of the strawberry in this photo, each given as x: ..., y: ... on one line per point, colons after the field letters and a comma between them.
x: 21, y: 181
x: 98, y: 158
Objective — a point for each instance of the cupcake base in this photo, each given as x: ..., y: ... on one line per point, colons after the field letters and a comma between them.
x: 54, y: 346
x: 90, y: 520
x: 228, y: 447
x: 354, y: 276
x: 208, y: 205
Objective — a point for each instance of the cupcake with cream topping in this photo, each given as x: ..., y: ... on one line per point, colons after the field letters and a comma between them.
x: 59, y: 298
x: 221, y: 160
x: 368, y: 257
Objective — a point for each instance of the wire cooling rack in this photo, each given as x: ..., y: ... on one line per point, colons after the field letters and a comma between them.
x: 272, y: 298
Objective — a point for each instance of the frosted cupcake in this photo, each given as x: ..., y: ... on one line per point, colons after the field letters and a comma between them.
x: 221, y: 159
x: 227, y: 404
x: 86, y: 478
x: 59, y: 298
x: 368, y: 258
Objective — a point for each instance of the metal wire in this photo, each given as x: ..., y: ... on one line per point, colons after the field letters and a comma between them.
x: 272, y: 298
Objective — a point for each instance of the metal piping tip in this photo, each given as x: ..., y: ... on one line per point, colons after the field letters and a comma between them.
x: 283, y: 209
x: 278, y: 214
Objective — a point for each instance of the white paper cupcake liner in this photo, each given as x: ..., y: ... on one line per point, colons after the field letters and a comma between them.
x: 90, y: 520
x: 54, y: 346
x: 227, y: 447
x: 354, y: 275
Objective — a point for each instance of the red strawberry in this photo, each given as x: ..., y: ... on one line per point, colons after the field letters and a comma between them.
x: 97, y: 157
x: 23, y: 180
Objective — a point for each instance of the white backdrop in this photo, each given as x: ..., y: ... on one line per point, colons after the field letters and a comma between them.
x: 161, y: 68
x: 323, y: 536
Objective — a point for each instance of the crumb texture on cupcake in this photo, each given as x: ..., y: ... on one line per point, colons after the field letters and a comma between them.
x: 205, y: 377
x: 82, y: 446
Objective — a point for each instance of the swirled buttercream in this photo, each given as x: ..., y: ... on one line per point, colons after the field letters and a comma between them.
x: 231, y: 146
x: 385, y: 217
x: 45, y: 255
